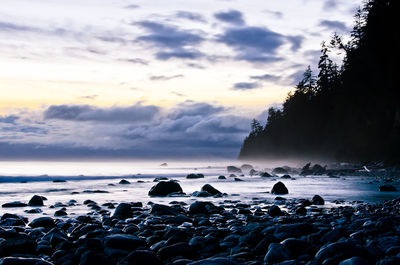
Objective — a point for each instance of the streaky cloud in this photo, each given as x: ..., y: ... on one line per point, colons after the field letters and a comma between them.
x: 234, y: 17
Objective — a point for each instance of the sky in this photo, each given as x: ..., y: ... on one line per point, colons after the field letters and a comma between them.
x: 151, y: 79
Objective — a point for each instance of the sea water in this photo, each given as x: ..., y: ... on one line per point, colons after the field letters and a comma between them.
x: 20, y: 180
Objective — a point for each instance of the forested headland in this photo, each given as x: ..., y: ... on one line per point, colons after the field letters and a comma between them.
x: 346, y: 112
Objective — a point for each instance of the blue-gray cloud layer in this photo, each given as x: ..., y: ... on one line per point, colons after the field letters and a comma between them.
x: 234, y: 17
x: 189, y: 129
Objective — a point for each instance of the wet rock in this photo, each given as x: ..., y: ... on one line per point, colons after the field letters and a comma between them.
x: 253, y: 172
x: 233, y: 169
x: 200, y: 207
x: 55, y: 236
x: 23, y: 261
x: 238, y: 179
x: 387, y: 188
x: 60, y: 213
x: 274, y: 210
x: 159, y: 179
x: 14, y: 204
x: 276, y: 253
x: 295, y: 246
x: 246, y: 167
x: 201, y: 194
x: 37, y: 210
x: 123, y: 211
x: 141, y: 257
x: 279, y: 170
x: 355, y: 261
x: 22, y: 244
x: 286, y: 177
x: 221, y: 177
x: 195, y: 176
x: 164, y: 188
x: 164, y: 165
x: 211, y: 190
x: 279, y: 189
x: 265, y: 175
x: 294, y: 230
x: 159, y: 209
x: 93, y: 258
x: 317, y: 200
x: 36, y: 201
x: 121, y: 244
x: 176, y: 250
x: 46, y: 222
x: 124, y: 182
x: 214, y: 261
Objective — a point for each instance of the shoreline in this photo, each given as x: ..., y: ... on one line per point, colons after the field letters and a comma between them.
x: 230, y: 232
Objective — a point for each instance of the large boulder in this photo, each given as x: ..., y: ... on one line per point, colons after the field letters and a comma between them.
x: 164, y: 188
x: 22, y: 244
x: 46, y: 222
x: 246, y: 167
x: 195, y: 176
x: 317, y: 200
x: 36, y: 201
x: 233, y: 169
x: 210, y: 189
x: 123, y: 211
x: 279, y: 170
x: 276, y: 253
x: 279, y: 189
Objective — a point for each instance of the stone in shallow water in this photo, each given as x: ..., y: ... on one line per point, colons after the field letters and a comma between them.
x: 14, y: 204
x: 123, y: 211
x: 387, y: 188
x: 164, y: 188
x: 195, y: 176
x: 274, y: 211
x: 210, y: 189
x: 317, y: 200
x: 36, y: 201
x: 124, y: 181
x: 279, y: 189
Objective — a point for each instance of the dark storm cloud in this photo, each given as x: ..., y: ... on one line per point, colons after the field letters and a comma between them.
x: 258, y: 44
x: 171, y: 41
x: 265, y: 77
x: 234, y: 17
x: 134, y: 113
x: 190, y: 16
x: 11, y: 119
x: 163, y: 77
x: 246, y: 86
x: 333, y: 25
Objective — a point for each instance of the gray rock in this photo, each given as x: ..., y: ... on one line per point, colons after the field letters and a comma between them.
x: 195, y: 176
x: 210, y: 189
x: 355, y: 261
x: 36, y: 201
x: 233, y: 169
x: 279, y: 189
x: 140, y: 257
x: 317, y: 200
x: 279, y: 170
x: 123, y: 211
x: 276, y: 253
x: 214, y: 261
x: 164, y: 188
x: 46, y: 222
x: 14, y: 204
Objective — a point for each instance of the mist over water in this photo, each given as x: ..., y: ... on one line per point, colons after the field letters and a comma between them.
x: 20, y: 180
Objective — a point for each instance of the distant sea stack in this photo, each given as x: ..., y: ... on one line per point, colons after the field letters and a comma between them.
x: 348, y: 112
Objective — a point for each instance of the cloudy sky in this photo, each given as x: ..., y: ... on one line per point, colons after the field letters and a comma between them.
x: 154, y: 78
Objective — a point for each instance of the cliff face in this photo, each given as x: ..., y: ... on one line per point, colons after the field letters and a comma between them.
x: 349, y: 112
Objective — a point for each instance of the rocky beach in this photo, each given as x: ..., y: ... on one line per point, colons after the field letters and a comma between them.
x: 209, y: 225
